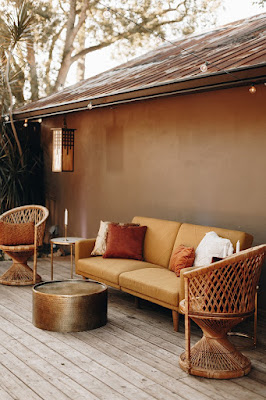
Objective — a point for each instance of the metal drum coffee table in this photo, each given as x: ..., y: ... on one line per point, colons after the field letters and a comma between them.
x: 69, y: 305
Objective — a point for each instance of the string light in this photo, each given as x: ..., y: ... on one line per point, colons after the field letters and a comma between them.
x: 6, y: 118
x: 40, y: 120
x: 25, y: 123
x: 204, y: 67
x: 89, y: 105
x: 252, y: 89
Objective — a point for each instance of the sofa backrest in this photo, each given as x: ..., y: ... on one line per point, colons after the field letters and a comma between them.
x: 159, y: 239
x: 191, y: 235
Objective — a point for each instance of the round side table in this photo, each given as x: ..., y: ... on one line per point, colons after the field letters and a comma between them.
x: 64, y: 241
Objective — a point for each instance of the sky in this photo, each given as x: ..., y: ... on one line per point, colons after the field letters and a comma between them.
x: 232, y: 10
x: 238, y: 9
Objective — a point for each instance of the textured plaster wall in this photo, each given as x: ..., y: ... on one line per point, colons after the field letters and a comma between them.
x: 195, y: 158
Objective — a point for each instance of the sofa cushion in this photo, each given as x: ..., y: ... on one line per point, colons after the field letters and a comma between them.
x: 156, y: 283
x: 16, y: 234
x: 191, y: 235
x: 159, y: 239
x: 101, y: 239
x: 182, y: 257
x: 109, y: 269
x: 125, y: 241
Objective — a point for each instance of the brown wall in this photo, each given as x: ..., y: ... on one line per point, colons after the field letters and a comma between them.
x: 196, y: 158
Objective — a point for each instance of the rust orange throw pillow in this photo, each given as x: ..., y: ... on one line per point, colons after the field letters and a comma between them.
x: 182, y: 257
x: 16, y: 234
x: 125, y: 241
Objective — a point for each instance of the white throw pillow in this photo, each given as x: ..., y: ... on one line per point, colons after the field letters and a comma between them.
x: 100, y: 243
x: 212, y: 246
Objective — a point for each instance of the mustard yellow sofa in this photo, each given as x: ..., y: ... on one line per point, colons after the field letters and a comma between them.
x: 151, y: 279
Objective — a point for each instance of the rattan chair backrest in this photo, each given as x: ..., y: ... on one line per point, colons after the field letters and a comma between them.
x: 29, y: 213
x: 226, y: 287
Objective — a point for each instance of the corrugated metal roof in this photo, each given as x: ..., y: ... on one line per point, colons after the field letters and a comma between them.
x: 173, y: 67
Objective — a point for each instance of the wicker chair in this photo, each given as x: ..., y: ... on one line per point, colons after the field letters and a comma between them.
x: 20, y: 273
x: 217, y: 298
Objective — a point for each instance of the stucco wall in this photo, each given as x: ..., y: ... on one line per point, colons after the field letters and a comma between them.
x: 195, y: 158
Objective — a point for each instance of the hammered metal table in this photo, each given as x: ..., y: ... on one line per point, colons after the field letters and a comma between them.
x: 69, y: 305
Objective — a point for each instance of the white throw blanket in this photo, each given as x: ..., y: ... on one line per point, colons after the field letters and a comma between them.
x: 212, y: 245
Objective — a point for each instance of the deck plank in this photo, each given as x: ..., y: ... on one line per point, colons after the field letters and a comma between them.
x: 11, y: 386
x: 134, y: 357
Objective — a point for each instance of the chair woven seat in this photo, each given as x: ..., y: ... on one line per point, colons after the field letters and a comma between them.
x: 217, y: 298
x: 18, y: 248
x: 20, y: 273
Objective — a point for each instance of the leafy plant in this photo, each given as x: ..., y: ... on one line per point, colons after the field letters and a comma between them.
x: 20, y: 184
x: 20, y: 154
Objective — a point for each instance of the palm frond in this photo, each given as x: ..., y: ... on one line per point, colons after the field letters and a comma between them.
x: 16, y: 26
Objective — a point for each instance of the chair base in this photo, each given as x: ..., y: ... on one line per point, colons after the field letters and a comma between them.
x: 214, y: 356
x: 19, y: 274
x: 204, y: 362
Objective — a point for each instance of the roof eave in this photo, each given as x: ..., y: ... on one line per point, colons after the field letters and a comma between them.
x: 222, y: 80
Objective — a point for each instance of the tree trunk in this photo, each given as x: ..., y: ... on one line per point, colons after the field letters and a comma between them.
x: 11, y: 110
x: 81, y: 62
x: 18, y: 86
x: 68, y: 47
x: 62, y: 75
x: 33, y: 72
x: 71, y: 33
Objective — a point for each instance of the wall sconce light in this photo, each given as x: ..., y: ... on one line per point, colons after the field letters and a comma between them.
x: 63, y: 149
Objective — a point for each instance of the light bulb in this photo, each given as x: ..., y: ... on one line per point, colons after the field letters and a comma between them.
x: 89, y: 105
x: 204, y: 67
x: 25, y: 123
x: 252, y: 89
x: 6, y: 118
x: 40, y: 120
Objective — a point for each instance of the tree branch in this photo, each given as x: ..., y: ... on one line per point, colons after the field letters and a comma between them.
x: 50, y: 54
x: 11, y: 109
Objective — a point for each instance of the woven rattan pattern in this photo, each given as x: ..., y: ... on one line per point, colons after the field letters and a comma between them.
x: 217, y: 298
x: 32, y: 213
x: 20, y: 273
x: 228, y: 286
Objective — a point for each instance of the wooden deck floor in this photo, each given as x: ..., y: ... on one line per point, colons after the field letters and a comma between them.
x: 135, y: 356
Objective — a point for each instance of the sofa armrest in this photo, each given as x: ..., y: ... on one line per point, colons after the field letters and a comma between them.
x: 182, y: 281
x: 83, y: 248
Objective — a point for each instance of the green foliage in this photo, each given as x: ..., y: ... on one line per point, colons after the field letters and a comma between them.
x: 125, y: 25
x: 19, y: 184
x: 15, y: 26
x: 15, y: 30
x: 261, y: 3
x: 21, y: 179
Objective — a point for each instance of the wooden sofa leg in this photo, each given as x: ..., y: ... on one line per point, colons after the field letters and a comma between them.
x: 137, y: 302
x: 175, y: 317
